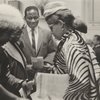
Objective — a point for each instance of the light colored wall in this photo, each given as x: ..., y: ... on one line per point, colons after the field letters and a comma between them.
x: 2, y: 1
x: 74, y: 5
x: 78, y: 7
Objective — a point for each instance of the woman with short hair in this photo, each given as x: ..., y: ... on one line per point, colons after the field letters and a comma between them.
x: 13, y: 74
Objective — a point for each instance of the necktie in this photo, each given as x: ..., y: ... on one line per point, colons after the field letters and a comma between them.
x: 33, y: 39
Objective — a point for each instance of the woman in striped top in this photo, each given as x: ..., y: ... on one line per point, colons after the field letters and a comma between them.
x: 73, y: 56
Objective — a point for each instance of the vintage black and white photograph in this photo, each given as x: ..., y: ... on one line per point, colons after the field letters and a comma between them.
x: 49, y: 49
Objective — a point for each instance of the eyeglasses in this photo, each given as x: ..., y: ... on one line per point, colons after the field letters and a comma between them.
x: 18, y: 32
x: 61, y: 22
x: 31, y: 18
x: 52, y: 25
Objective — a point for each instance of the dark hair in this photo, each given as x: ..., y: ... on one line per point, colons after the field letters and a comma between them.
x: 97, y: 37
x: 30, y: 8
x: 66, y: 16
x: 80, y: 25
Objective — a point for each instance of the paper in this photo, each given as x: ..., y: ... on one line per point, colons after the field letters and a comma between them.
x: 51, y: 85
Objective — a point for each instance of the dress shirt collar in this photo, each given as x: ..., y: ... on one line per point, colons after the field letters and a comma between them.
x: 35, y: 30
x: 28, y: 29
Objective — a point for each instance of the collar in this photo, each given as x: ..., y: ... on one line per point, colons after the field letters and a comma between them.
x: 29, y: 29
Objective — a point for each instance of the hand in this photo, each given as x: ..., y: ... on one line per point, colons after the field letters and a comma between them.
x: 28, y: 86
x: 48, y: 67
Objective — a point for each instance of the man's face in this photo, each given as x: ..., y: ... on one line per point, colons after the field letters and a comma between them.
x: 32, y: 18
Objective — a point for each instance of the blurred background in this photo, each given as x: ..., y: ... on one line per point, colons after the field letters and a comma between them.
x: 87, y: 10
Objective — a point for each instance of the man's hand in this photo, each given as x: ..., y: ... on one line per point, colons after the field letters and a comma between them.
x: 48, y: 68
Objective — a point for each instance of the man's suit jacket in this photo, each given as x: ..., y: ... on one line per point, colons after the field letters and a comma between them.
x: 45, y: 47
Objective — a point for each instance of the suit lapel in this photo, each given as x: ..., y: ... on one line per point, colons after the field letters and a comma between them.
x: 40, y: 39
x: 27, y: 42
x: 26, y: 37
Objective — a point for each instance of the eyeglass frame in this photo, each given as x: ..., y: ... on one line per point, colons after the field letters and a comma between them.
x: 36, y: 19
x: 51, y: 25
x: 17, y: 31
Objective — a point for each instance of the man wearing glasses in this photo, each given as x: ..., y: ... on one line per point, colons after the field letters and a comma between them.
x: 39, y: 47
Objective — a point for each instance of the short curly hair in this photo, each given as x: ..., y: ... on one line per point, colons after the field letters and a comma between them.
x: 10, y: 18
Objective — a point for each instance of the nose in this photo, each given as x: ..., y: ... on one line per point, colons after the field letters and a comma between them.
x: 33, y: 20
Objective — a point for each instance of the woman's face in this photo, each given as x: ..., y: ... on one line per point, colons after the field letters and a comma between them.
x: 56, y: 27
x: 15, y: 36
x: 57, y: 31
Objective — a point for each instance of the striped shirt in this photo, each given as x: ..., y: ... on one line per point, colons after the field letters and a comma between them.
x: 74, y: 59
